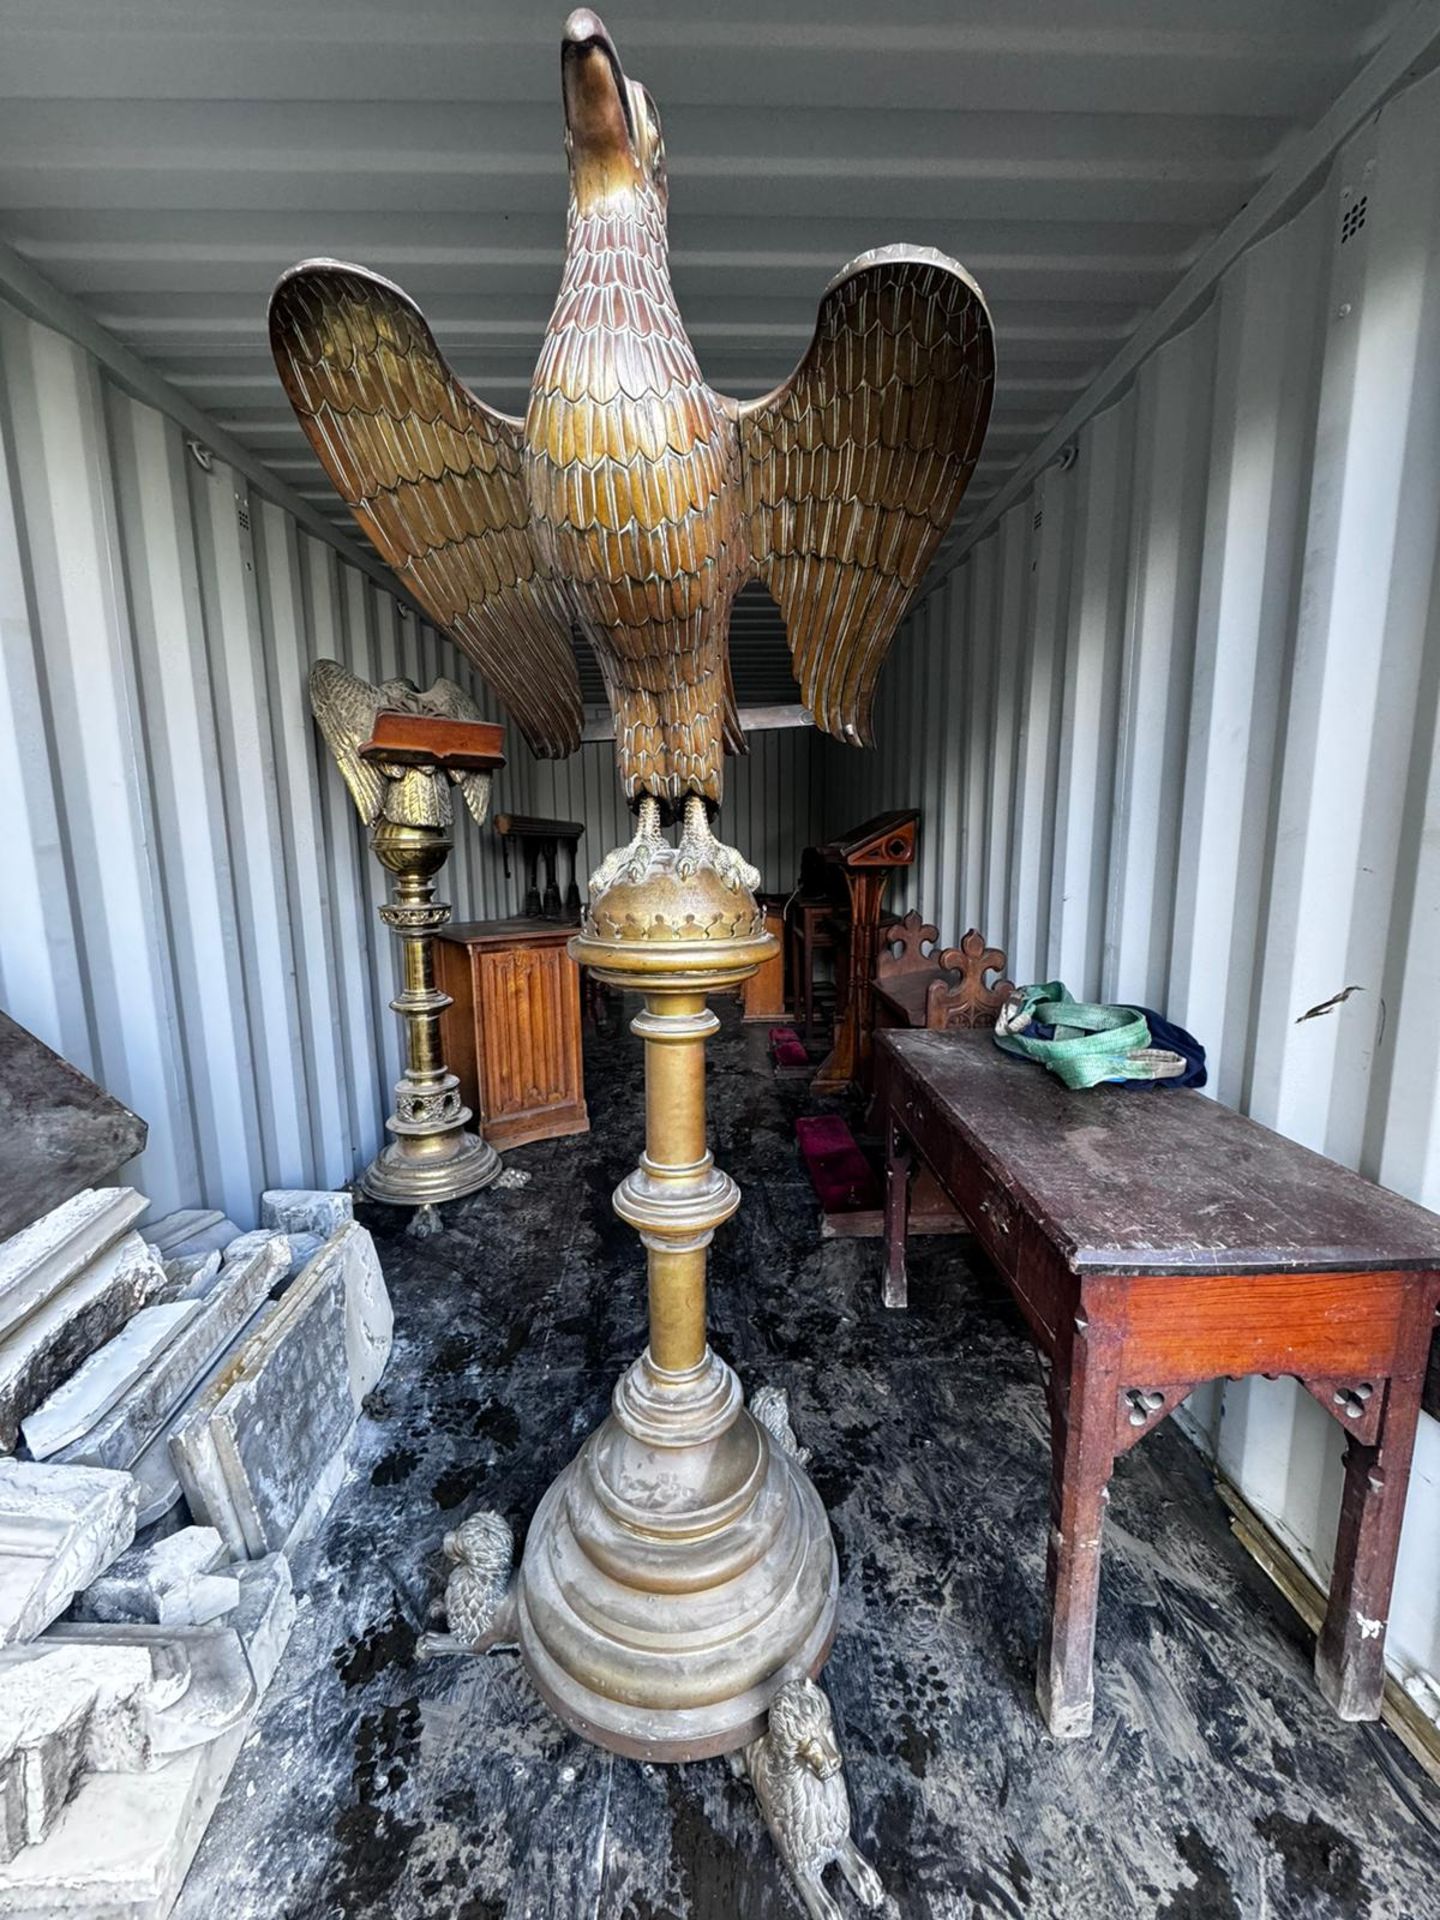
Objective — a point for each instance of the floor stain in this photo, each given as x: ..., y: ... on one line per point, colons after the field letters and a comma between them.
x: 1217, y: 1784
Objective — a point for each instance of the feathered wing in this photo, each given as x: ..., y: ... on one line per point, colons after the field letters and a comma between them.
x: 434, y: 477
x: 854, y: 467
x: 345, y: 708
x: 452, y: 701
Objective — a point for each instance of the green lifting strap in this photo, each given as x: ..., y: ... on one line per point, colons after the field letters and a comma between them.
x: 1092, y: 1042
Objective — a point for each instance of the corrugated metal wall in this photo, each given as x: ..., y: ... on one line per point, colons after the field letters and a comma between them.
x: 1173, y: 725
x: 188, y: 897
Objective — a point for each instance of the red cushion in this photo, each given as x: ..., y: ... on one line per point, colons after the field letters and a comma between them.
x: 787, y: 1049
x: 842, y: 1177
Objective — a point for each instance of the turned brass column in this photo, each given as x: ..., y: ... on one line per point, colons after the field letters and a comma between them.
x: 430, y: 1157
x: 680, y: 1571
x: 675, y: 1028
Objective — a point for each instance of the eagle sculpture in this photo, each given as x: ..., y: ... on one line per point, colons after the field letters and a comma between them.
x: 633, y: 502
x: 409, y: 796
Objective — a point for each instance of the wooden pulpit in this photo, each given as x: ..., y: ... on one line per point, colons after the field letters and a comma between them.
x: 864, y: 859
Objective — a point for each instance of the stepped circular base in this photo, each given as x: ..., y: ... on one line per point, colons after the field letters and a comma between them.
x: 678, y: 1573
x: 420, y: 1173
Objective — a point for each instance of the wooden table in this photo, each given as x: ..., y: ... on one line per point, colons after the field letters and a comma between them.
x: 512, y: 1035
x: 1153, y: 1240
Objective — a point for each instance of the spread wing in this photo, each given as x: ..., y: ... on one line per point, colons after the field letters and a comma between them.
x: 452, y: 701
x: 434, y: 477
x: 855, y: 466
x: 345, y: 709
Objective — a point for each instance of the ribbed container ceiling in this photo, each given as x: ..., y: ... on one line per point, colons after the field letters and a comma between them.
x: 164, y: 163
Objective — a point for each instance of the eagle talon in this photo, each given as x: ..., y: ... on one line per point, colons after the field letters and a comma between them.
x: 699, y: 848
x: 632, y: 862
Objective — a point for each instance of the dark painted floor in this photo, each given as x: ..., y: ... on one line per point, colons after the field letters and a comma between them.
x: 1216, y: 1784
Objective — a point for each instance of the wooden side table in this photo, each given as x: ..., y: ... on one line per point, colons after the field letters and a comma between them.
x: 539, y: 841
x: 1154, y: 1240
x: 512, y: 1034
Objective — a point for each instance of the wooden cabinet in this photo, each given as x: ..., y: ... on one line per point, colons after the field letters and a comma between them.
x: 763, y: 994
x: 513, y: 1033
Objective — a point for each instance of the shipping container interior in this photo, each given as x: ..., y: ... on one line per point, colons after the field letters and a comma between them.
x: 1167, y: 701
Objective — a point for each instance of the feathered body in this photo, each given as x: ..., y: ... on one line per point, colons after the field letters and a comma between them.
x: 633, y: 469
x: 632, y: 502
x: 770, y: 1408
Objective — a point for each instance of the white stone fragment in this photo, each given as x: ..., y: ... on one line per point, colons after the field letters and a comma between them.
x: 59, y: 1528
x: 179, y: 1581
x: 48, y: 1345
x: 90, y: 1392
x: 244, y: 1244
x: 193, y: 1273
x: 218, y: 1691
x: 266, y: 1613
x: 122, y: 1435
x: 63, y: 1711
x: 260, y: 1452
x: 122, y: 1846
x: 300, y: 1248
x: 302, y: 1210
x: 252, y: 1447
x: 47, y: 1255
x: 303, y: 1249
x: 154, y: 1467
x: 192, y: 1230
x: 369, y: 1316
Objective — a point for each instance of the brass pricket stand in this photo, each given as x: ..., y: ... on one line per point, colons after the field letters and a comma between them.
x: 681, y: 1570
x: 431, y: 1156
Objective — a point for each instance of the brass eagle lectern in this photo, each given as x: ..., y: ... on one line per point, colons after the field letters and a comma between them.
x: 399, y: 752
x: 680, y: 1574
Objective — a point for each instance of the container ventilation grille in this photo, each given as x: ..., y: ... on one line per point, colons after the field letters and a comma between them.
x: 242, y: 514
x: 1353, y: 218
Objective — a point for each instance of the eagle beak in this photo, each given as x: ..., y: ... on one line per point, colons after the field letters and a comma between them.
x: 597, y: 107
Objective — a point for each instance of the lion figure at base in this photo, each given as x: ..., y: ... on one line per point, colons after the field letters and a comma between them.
x: 479, y: 1604
x: 796, y: 1770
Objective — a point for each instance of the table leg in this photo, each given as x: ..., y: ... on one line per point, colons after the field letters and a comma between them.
x: 897, y: 1211
x: 1350, y: 1653
x: 1082, y: 1451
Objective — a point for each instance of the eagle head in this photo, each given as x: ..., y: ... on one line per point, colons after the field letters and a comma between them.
x: 612, y: 126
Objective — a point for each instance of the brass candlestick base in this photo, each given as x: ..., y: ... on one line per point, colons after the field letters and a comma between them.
x: 680, y: 1571
x: 431, y: 1157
